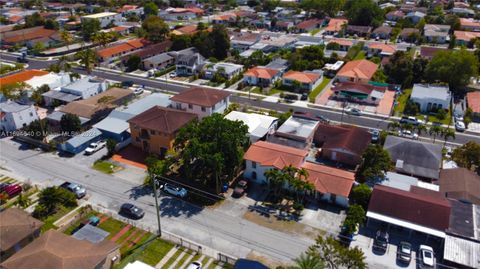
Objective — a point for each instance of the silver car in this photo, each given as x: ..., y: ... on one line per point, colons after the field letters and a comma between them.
x: 174, y: 190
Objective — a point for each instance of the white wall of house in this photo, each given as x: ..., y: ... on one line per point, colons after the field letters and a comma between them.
x: 17, y: 120
x: 203, y: 112
x: 427, y: 104
x: 105, y: 20
x: 252, y: 168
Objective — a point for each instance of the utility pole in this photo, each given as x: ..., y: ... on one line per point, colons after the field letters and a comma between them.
x: 157, y: 209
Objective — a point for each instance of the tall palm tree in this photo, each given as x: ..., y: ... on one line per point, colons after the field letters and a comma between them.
x: 308, y: 261
x: 88, y: 58
x: 64, y: 64
x: 448, y: 133
x: 102, y: 38
x: 394, y: 126
x: 420, y: 128
x: 435, y: 131
x: 67, y: 38
x: 276, y: 180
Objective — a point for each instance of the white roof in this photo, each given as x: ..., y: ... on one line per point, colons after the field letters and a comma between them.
x: 100, y: 15
x: 51, y: 79
x: 298, y: 126
x: 138, y: 265
x: 462, y: 251
x: 258, y: 124
x: 113, y: 125
x: 406, y: 224
x: 421, y: 91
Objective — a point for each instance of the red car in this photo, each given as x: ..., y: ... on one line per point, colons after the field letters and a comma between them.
x: 240, y: 188
x: 12, y: 190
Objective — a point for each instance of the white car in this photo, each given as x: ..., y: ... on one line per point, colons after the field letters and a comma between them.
x: 138, y: 91
x: 408, y: 134
x: 195, y: 265
x: 173, y: 74
x: 353, y: 111
x: 460, y: 126
x: 174, y: 190
x: 427, y: 257
x: 94, y: 147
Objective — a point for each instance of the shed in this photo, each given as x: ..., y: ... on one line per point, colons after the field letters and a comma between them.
x: 91, y: 233
x: 80, y: 142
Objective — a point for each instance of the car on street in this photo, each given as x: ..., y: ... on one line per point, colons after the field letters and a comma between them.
x: 375, y: 135
x: 381, y: 241
x: 240, y: 188
x: 75, y: 188
x: 460, y: 126
x: 457, y: 117
x: 12, y: 190
x: 195, y: 265
x: 131, y: 211
x: 426, y: 257
x: 94, y: 147
x: 127, y: 83
x: 138, y: 91
x: 22, y: 60
x: 353, y: 111
x: 408, y: 134
x: 404, y: 252
x: 409, y: 120
x: 174, y: 190
x: 304, y: 96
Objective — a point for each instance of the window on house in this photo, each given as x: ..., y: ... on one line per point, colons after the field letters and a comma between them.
x: 152, y: 132
x: 179, y: 106
x: 254, y: 165
x: 204, y: 109
x: 190, y: 106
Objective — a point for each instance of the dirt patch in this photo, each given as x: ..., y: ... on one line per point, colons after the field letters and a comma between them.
x: 131, y: 156
x: 292, y: 227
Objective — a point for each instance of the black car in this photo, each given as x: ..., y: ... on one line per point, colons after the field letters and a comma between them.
x: 131, y: 211
x: 240, y: 188
x: 381, y: 241
x: 304, y: 96
x: 127, y: 83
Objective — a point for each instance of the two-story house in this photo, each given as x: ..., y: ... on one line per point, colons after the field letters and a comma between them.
x: 14, y: 115
x: 189, y: 62
x: 201, y: 101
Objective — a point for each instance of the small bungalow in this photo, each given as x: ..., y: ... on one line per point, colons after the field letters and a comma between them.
x: 430, y: 98
x: 305, y: 80
x: 335, y: 25
x: 382, y: 32
x: 357, y: 71
x: 260, y: 76
x: 473, y: 102
x: 358, y: 30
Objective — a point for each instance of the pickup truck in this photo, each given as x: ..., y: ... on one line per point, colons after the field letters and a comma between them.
x: 77, y: 189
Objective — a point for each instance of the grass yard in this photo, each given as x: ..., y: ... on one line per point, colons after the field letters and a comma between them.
x: 447, y: 119
x: 173, y: 258
x: 112, y: 226
x: 255, y: 90
x: 360, y: 55
x: 314, y: 32
x: 275, y: 91
x: 313, y: 94
x: 105, y: 167
x: 401, y: 101
x: 48, y: 222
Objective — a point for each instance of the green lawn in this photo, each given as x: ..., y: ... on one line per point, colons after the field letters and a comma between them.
x: 104, y: 167
x: 314, y: 31
x: 401, y: 101
x: 275, y: 91
x: 360, y: 56
x: 173, y: 258
x: 48, y: 222
x: 112, y: 226
x: 255, y: 90
x: 313, y: 94
x: 444, y: 121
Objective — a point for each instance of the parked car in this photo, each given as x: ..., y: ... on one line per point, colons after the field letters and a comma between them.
x: 131, y: 211
x: 77, y: 189
x: 95, y: 146
x: 427, y: 257
x: 138, y: 91
x: 375, y: 135
x: 22, y: 60
x: 408, y: 134
x: 195, y: 265
x: 240, y: 188
x: 409, y: 120
x: 173, y: 75
x: 381, y: 240
x: 457, y: 117
x: 174, y: 190
x: 353, y: 111
x: 12, y: 190
x: 404, y: 252
x: 304, y: 96
x: 127, y: 83
x: 460, y: 126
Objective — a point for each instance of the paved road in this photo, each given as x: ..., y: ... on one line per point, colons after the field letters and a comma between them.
x: 363, y: 121
x: 232, y: 235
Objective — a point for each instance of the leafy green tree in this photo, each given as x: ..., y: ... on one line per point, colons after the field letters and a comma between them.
x: 133, y: 63
x: 435, y: 131
x: 155, y: 28
x: 411, y: 108
x: 37, y: 94
x: 70, y: 123
x: 103, y: 38
x: 361, y: 195
x: 468, y: 155
x: 88, y: 58
x: 150, y: 9
x: 34, y: 20
x: 376, y: 162
x: 307, y: 58
x: 111, y: 146
x: 89, y: 28
x: 67, y: 38
x: 355, y: 216
x: 419, y: 66
x: 336, y: 256
x: 156, y: 167
x: 52, y: 199
x: 363, y: 12
x: 180, y: 42
x: 37, y: 129
x: 38, y: 47
x: 308, y: 261
x: 212, y: 149
x: 453, y: 67
x: 219, y: 37
x: 51, y: 24
x: 399, y: 69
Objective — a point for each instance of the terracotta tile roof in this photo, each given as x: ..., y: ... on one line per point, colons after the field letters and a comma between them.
x: 429, y: 52
x: 425, y: 210
x: 329, y: 180
x: 335, y: 25
x: 353, y: 139
x: 22, y: 76
x: 358, y: 87
x: 385, y: 48
x: 185, y: 30
x: 130, y: 45
x: 200, y: 96
x: 165, y: 120
x: 309, y: 23
x: 303, y: 77
x: 469, y: 23
x: 16, y: 225
x: 15, y: 18
x: 361, y: 69
x: 151, y: 50
x: 28, y: 34
x: 57, y: 250
x: 342, y: 42
x: 125, y: 8
x: 460, y: 183
x: 473, y: 100
x: 278, y: 156
x: 466, y: 36
x: 225, y: 17
x: 261, y: 72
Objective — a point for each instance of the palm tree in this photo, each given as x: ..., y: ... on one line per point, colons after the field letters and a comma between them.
x: 276, y: 180
x: 88, y: 58
x: 64, y: 64
x: 67, y: 38
x: 420, y: 128
x: 435, y: 131
x: 102, y: 38
x: 394, y: 126
x: 448, y: 133
x: 308, y: 261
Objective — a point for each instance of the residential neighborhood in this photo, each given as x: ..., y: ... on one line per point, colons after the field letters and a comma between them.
x: 240, y: 134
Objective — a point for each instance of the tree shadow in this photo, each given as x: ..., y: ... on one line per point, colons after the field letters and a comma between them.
x: 139, y: 191
x: 172, y: 207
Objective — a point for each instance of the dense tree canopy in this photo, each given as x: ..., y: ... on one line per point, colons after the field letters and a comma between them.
x: 150, y: 8
x: 70, y: 123
x: 468, y: 155
x: 89, y: 28
x: 336, y: 256
x: 361, y: 195
x: 155, y: 28
x: 363, y: 12
x: 400, y: 69
x: 376, y: 162
x: 323, y: 7
x: 51, y: 199
x: 307, y: 58
x: 211, y: 148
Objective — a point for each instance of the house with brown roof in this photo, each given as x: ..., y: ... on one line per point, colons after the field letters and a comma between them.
x: 382, y: 32
x: 473, y: 102
x: 409, y: 35
x: 17, y: 229
x: 305, y: 80
x: 308, y: 25
x: 342, y: 144
x: 460, y: 184
x: 395, y: 15
x: 332, y: 185
x: 429, y: 52
x: 343, y: 44
x: 201, y: 101
x: 469, y: 25
x: 357, y: 71
x: 31, y: 36
x: 463, y: 38
x: 380, y: 49
x: 358, y: 92
x: 154, y: 130
x: 110, y: 53
x: 335, y: 25
x: 261, y: 76
x: 418, y: 210
x: 57, y: 250
x: 358, y: 30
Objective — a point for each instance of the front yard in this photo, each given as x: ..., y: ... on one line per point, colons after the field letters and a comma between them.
x: 401, y: 101
x: 315, y: 92
x: 105, y: 167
